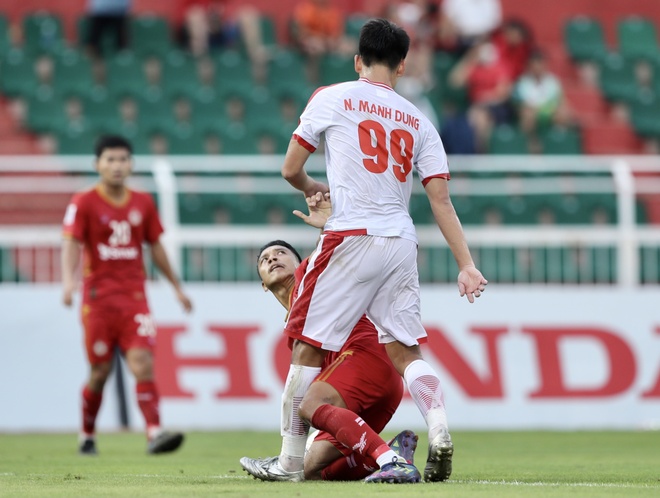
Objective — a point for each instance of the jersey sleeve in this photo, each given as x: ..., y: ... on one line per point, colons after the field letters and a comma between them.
x: 74, y: 225
x: 315, y: 119
x: 431, y: 161
x: 152, y: 227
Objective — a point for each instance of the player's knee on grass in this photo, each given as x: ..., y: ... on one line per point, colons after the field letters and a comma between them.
x: 318, y: 456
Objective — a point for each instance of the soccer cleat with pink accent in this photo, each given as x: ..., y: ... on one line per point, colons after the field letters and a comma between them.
x: 438, y: 464
x: 404, y: 444
x: 269, y: 469
x: 396, y: 472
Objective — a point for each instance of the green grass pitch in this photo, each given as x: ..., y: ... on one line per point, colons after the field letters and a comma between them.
x: 492, y: 464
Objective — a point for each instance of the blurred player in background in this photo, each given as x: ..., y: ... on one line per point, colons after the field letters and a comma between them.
x: 109, y: 223
x: 359, y: 377
x: 366, y: 259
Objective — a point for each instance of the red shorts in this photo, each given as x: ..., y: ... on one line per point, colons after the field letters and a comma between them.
x: 368, y: 384
x: 108, y: 326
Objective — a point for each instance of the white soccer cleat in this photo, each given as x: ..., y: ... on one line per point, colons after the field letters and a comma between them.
x: 438, y: 465
x: 269, y: 469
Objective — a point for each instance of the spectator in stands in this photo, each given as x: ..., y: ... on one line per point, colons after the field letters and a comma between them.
x: 463, y: 23
x: 183, y: 114
x: 539, y: 97
x: 74, y: 112
x: 205, y: 25
x: 128, y: 124
x: 317, y: 28
x: 514, y: 43
x: 158, y: 144
x: 152, y: 69
x: 486, y: 78
x: 107, y: 16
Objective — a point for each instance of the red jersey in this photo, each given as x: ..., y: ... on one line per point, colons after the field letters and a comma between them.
x: 112, y: 235
x: 364, y: 336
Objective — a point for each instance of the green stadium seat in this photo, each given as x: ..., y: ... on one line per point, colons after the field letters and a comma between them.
x: 354, y: 24
x: 561, y: 140
x: 617, y: 78
x: 73, y: 72
x: 75, y: 142
x: 100, y: 106
x: 645, y: 115
x: 637, y: 38
x: 506, y: 139
x: 155, y: 111
x: 184, y: 141
x: 16, y: 73
x: 43, y: 32
x: 5, y: 39
x: 287, y: 77
x: 150, y: 35
x: 232, y: 71
x: 179, y: 73
x: 584, y: 39
x: 237, y: 139
x: 125, y: 73
x: 208, y: 110
x: 336, y: 69
x: 45, y: 111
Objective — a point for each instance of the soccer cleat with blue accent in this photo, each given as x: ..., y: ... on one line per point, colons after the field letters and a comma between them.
x: 404, y: 444
x: 438, y: 465
x: 396, y: 472
x: 269, y: 469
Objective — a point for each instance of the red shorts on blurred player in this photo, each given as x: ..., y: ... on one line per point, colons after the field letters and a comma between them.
x: 128, y: 326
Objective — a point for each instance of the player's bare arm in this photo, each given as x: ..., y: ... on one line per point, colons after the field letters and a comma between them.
x: 162, y: 262
x: 471, y: 283
x: 294, y: 172
x: 70, y: 259
x: 320, y: 209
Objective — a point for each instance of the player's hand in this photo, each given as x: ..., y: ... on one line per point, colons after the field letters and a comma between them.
x: 471, y: 283
x: 67, y: 294
x: 313, y: 187
x: 320, y: 209
x: 184, y: 300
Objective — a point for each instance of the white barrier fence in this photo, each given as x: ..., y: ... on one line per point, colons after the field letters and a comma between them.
x: 519, y: 358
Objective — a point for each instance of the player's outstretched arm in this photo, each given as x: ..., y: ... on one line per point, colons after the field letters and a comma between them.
x: 294, y: 172
x: 471, y: 283
x: 70, y: 261
x: 320, y: 209
x: 162, y: 262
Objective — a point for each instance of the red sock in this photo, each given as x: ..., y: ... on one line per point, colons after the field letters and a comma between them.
x: 350, y: 430
x: 91, y: 402
x: 349, y: 468
x: 147, y: 398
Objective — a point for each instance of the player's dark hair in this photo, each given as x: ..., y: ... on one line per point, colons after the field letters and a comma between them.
x: 111, y: 142
x: 277, y: 243
x: 383, y: 42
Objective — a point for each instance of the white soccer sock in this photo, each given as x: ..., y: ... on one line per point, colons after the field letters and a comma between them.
x: 424, y: 387
x: 293, y: 430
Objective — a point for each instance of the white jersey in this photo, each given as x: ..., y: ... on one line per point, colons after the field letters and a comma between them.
x: 374, y: 137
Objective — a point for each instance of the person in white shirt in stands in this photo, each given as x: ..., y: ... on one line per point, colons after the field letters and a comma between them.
x: 366, y: 258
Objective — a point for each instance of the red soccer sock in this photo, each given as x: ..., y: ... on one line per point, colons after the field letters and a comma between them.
x: 350, y: 430
x: 350, y: 468
x: 91, y: 402
x: 148, y: 399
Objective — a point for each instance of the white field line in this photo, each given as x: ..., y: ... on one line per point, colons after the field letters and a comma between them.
x: 557, y: 484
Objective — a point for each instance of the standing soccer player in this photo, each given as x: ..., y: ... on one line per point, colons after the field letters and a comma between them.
x: 109, y: 223
x: 366, y: 259
x: 373, y: 399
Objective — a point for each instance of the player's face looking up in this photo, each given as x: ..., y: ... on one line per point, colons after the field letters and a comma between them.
x: 276, y: 263
x: 114, y: 165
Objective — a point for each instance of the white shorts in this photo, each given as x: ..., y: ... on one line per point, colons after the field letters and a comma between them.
x: 348, y: 276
